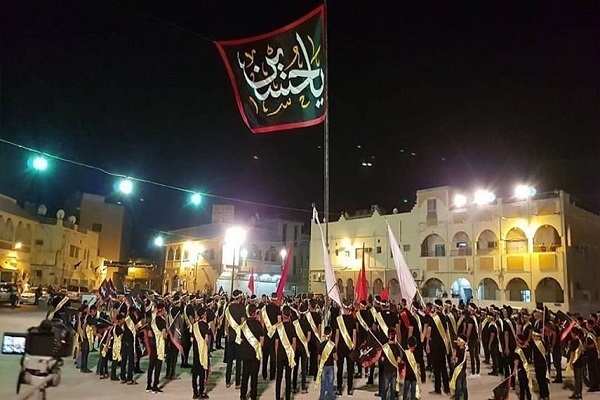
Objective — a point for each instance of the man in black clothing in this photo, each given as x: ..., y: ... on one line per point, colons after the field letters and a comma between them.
x: 303, y: 333
x: 199, y: 371
x: 473, y: 339
x: 391, y: 360
x: 186, y: 334
x: 285, y: 351
x: 313, y: 344
x: 127, y: 347
x: 211, y: 321
x: 271, y: 315
x: 234, y: 317
x: 540, y: 366
x: 345, y: 339
x: 175, y: 328
x: 437, y: 347
x: 591, y: 355
x: 156, y: 353
x: 364, y: 324
x: 251, y: 355
x: 492, y: 343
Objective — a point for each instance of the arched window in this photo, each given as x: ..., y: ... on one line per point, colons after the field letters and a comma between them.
x: 394, y: 289
x: 548, y: 290
x: 433, y: 246
x: 461, y: 289
x: 546, y: 239
x: 487, y: 242
x: 377, y: 286
x: 516, y: 241
x: 7, y: 233
x: 349, y: 288
x: 432, y: 288
x: 178, y: 254
x: 170, y: 254
x: 461, y: 245
x: 340, y: 285
x: 488, y: 290
x: 517, y: 290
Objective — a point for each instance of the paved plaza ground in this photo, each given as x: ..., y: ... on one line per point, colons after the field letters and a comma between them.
x: 87, y: 386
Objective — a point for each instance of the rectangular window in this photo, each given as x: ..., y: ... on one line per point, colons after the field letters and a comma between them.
x: 72, y: 251
x: 296, y: 234
x: 406, y: 247
x: 378, y: 249
x: 431, y: 206
x: 284, y: 233
x: 440, y: 250
x: 96, y: 227
x: 39, y: 242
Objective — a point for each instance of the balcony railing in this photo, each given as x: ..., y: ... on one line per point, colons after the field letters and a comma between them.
x: 427, y: 253
x: 489, y: 250
x: 461, y: 252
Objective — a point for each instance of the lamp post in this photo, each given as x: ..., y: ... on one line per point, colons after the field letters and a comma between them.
x: 234, y: 238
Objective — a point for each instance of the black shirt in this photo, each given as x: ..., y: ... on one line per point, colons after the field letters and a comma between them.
x: 247, y: 352
x: 472, y: 320
x: 387, y: 365
x: 329, y: 362
x: 305, y: 326
x: 204, y: 330
x: 127, y: 334
x: 460, y: 357
x: 238, y: 312
x: 436, y: 340
x: 350, y: 324
x: 291, y: 334
x: 57, y: 299
x: 410, y: 375
x: 318, y: 320
x: 273, y: 312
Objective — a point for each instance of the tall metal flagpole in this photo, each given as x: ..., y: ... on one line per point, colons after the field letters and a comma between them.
x: 326, y: 133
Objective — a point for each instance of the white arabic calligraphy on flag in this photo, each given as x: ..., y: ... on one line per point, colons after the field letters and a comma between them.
x: 279, y: 78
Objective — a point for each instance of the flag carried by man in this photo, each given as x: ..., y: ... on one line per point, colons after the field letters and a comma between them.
x: 251, y: 282
x: 408, y: 287
x: 362, y: 288
x: 278, y: 78
x: 284, y: 273
x: 333, y: 290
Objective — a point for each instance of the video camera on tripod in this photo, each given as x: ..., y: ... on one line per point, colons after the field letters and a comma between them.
x: 42, y: 349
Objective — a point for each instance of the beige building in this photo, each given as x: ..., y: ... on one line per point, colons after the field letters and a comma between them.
x: 199, y: 259
x: 111, y: 222
x: 37, y: 250
x: 522, y: 251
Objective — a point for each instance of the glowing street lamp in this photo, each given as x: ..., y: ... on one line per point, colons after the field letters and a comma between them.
x: 159, y: 241
x: 18, y: 245
x: 40, y: 163
x: 483, y: 197
x: 524, y: 192
x: 234, y: 238
x: 126, y: 186
x: 283, y: 254
x: 460, y: 200
x: 196, y: 199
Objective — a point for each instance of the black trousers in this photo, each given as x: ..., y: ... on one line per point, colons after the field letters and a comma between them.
x: 340, y: 371
x: 420, y: 359
x: 250, y: 375
x: 494, y: 356
x: 313, y: 349
x: 198, y: 378
x: 283, y: 366
x: 220, y: 334
x: 540, y: 376
x: 524, y: 392
x: 171, y: 360
x: 486, y: 351
x: 154, y: 367
x: 556, y: 360
x: 232, y: 353
x: 592, y: 366
x: 440, y: 371
x: 301, y: 363
x: 269, y: 358
x: 187, y: 345
x: 474, y: 354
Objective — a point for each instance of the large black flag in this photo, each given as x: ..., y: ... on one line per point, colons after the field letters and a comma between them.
x: 279, y: 78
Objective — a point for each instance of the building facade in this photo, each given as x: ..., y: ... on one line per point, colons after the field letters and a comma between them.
x: 37, y: 250
x: 542, y: 248
x: 200, y: 259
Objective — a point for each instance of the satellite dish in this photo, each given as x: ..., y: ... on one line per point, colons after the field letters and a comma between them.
x: 395, y: 211
x: 72, y: 220
x: 42, y: 210
x: 60, y: 214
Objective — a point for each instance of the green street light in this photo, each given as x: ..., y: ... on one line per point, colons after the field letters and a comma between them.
x: 196, y: 199
x: 40, y: 163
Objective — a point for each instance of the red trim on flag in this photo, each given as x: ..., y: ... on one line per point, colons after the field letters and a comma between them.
x: 238, y: 100
x: 286, y: 28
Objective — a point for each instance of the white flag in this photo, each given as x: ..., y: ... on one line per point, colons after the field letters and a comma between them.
x: 408, y: 287
x: 333, y: 291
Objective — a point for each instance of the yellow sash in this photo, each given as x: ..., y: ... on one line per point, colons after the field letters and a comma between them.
x: 252, y: 340
x: 410, y: 357
x: 270, y: 327
x: 593, y: 337
x: 485, y: 322
x: 188, y: 323
x: 387, y: 350
x: 457, y: 370
x: 574, y: 357
x: 329, y: 346
x: 202, y: 347
x: 440, y: 328
x: 58, y: 307
x: 116, y: 350
x: 459, y: 323
x: 313, y: 326
x: 130, y: 325
x: 526, y: 366
x: 344, y: 332
x: 362, y: 322
x: 374, y: 313
x: 453, y: 322
x: 106, y: 335
x: 285, y: 342
x: 300, y: 334
x: 420, y: 328
x: 382, y: 323
x: 234, y: 325
x: 160, y: 340
x: 542, y: 349
x: 91, y: 334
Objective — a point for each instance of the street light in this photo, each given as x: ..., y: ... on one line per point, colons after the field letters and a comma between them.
x: 126, y: 186
x: 234, y: 238
x: 18, y: 245
x: 524, y: 192
x: 159, y: 241
x: 460, y: 200
x: 40, y: 163
x: 483, y: 197
x: 196, y: 199
x: 283, y: 253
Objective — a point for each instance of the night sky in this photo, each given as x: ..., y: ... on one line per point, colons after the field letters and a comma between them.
x: 482, y: 93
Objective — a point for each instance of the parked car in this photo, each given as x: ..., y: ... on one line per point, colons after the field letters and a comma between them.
x: 28, y: 296
x: 75, y: 293
x: 9, y: 293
